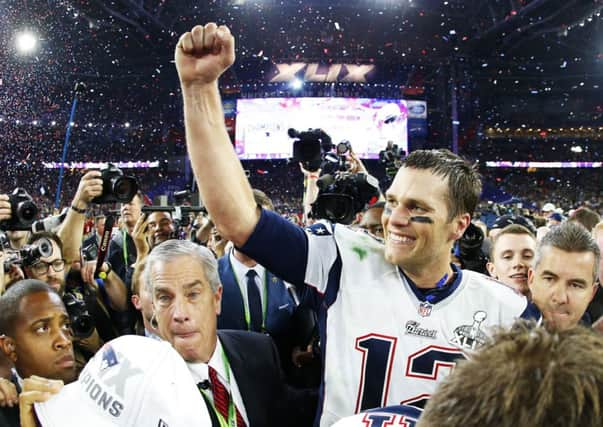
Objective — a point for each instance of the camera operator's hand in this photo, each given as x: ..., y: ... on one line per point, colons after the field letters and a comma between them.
x: 35, y: 389
x: 91, y: 186
x: 307, y: 173
x: 5, y: 211
x: 203, y: 54
x: 205, y: 225
x: 217, y: 243
x: 9, y: 277
x: 141, y: 235
x: 8, y: 393
x: 356, y: 165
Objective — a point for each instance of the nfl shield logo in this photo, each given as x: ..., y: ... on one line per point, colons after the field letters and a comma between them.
x: 425, y: 309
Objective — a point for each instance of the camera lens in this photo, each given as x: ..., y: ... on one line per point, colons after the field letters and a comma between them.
x: 83, y: 326
x: 27, y: 211
x: 124, y: 189
x: 45, y: 247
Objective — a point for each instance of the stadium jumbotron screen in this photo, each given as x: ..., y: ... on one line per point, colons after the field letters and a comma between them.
x: 262, y: 124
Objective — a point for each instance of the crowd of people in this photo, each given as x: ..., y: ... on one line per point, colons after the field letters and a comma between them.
x: 428, y: 307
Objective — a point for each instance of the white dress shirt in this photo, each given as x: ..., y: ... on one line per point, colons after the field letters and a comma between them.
x: 240, y: 271
x: 200, y: 373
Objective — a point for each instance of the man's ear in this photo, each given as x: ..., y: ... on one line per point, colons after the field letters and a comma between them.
x: 218, y: 297
x: 460, y: 223
x: 8, y: 347
x: 491, y: 270
x: 136, y: 302
x: 531, y: 275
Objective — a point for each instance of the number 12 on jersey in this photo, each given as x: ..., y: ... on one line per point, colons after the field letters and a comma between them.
x: 377, y: 360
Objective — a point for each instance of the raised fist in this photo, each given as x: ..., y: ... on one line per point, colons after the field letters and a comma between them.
x: 203, y: 54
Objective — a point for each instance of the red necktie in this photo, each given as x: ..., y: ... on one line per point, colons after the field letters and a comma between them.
x: 222, y: 398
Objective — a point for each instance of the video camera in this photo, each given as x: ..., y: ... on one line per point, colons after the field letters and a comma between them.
x: 29, y: 254
x: 309, y: 147
x: 74, y: 298
x: 391, y: 157
x: 23, y: 211
x: 117, y: 187
x: 343, y: 195
x: 470, y: 250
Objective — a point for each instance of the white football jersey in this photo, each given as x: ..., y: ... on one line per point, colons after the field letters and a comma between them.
x: 382, y: 343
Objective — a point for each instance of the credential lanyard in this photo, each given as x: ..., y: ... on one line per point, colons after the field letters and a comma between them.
x: 232, y: 411
x: 124, y: 247
x: 246, y: 306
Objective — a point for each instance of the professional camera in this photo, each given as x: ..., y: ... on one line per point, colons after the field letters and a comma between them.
x: 29, y: 254
x: 82, y: 323
x: 90, y: 252
x: 343, y: 195
x: 309, y: 147
x: 391, y: 157
x: 117, y: 187
x: 470, y: 250
x: 23, y: 211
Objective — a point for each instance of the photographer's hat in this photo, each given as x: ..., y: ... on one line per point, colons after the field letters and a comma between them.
x: 131, y: 381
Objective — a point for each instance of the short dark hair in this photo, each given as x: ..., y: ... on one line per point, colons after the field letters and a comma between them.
x: 569, y: 237
x: 10, y: 302
x: 525, y: 376
x: 464, y: 182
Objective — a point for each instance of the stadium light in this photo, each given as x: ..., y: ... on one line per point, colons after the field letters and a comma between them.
x: 296, y: 84
x: 26, y: 42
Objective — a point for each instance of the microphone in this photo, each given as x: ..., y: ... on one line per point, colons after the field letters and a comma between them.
x: 204, y: 385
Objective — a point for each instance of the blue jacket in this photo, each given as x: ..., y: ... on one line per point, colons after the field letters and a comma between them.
x: 232, y: 316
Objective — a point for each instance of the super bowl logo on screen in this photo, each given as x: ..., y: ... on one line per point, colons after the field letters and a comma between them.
x: 323, y: 73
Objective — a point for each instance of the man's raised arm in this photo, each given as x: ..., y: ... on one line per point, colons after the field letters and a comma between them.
x: 202, y: 55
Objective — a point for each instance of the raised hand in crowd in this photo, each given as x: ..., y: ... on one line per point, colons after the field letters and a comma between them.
x: 356, y: 165
x: 310, y: 190
x: 5, y: 211
x: 35, y: 389
x: 71, y: 230
x: 11, y: 276
x: 141, y: 235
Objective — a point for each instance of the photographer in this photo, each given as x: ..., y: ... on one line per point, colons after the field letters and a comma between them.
x: 122, y: 250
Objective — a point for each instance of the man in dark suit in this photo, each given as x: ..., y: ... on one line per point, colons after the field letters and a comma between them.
x: 238, y: 372
x: 276, y: 306
x: 36, y: 337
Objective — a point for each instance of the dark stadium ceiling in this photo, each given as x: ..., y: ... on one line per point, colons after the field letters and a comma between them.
x: 123, y: 37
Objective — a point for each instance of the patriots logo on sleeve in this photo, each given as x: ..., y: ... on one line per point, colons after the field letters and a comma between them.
x: 319, y: 229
